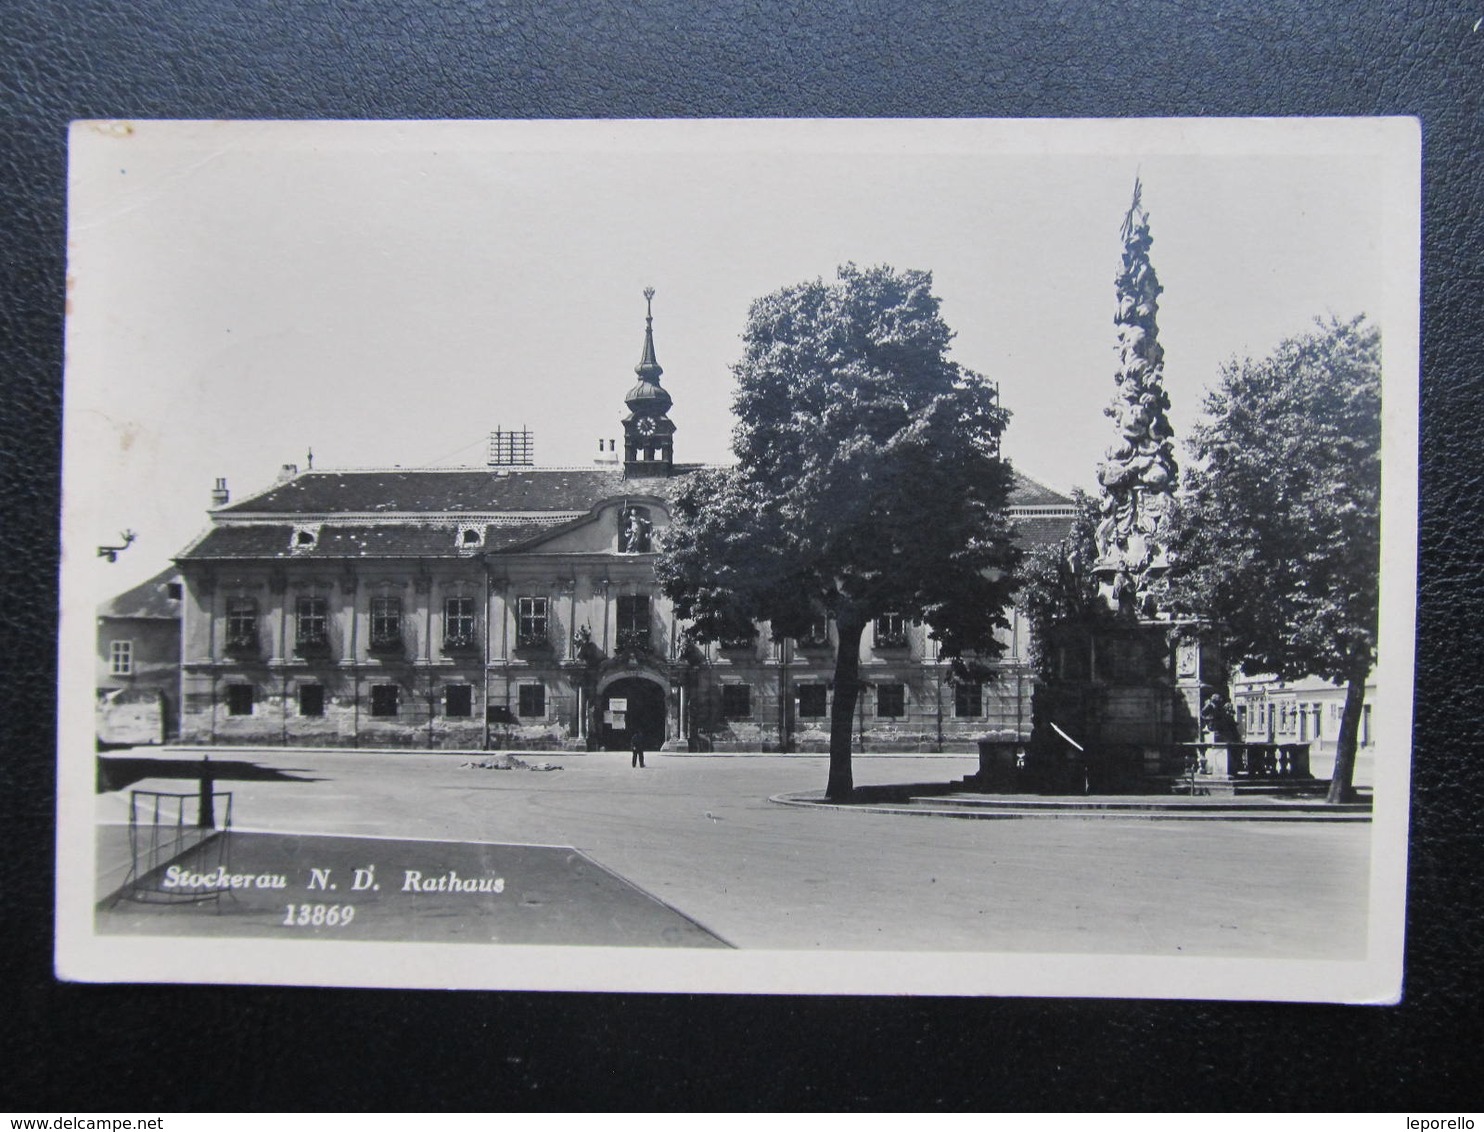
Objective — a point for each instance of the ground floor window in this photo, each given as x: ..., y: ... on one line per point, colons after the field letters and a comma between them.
x: 891, y: 700
x: 736, y: 701
x: 458, y: 701
x: 311, y: 699
x: 533, y: 700
x: 384, y: 699
x: 239, y: 699
x: 812, y: 701
x: 968, y: 700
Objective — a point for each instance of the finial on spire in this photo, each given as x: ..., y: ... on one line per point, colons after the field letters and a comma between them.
x: 1135, y: 206
x: 649, y: 367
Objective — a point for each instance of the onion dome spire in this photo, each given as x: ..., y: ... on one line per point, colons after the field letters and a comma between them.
x: 649, y: 434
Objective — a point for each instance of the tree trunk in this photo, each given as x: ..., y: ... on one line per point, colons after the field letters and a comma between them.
x: 1340, y: 789
x: 842, y: 709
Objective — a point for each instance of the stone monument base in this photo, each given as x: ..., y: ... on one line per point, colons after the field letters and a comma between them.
x: 1121, y: 707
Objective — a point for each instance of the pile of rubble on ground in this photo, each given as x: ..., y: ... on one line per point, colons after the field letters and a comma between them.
x: 506, y: 762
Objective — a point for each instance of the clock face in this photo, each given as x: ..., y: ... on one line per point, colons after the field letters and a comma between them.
x: 647, y: 425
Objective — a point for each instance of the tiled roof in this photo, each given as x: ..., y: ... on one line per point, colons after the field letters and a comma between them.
x: 148, y: 599
x: 480, y: 491
x: 464, y: 490
x: 1033, y: 493
x: 1041, y: 530
x: 551, y: 497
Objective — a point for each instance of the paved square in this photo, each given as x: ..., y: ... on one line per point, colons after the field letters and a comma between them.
x: 699, y: 833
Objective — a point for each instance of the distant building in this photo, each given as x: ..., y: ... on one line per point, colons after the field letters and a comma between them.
x: 138, y: 663
x: 516, y: 606
x: 1270, y: 710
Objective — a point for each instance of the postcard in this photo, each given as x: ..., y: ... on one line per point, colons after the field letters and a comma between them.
x: 953, y: 557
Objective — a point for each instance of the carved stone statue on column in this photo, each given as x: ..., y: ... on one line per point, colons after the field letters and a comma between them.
x: 1138, y: 475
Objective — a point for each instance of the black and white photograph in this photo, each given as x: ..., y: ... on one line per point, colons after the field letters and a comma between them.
x: 870, y: 557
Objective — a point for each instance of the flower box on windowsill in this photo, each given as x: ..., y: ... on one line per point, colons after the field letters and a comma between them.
x: 812, y: 642
x: 461, y: 644
x: 737, y: 644
x: 533, y: 641
x: 633, y: 640
x: 242, y: 646
x: 895, y: 641
x: 316, y: 648
x: 387, y: 645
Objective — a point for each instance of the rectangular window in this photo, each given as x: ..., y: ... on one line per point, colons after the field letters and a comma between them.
x: 968, y: 701
x: 891, y: 701
x: 817, y: 636
x: 813, y: 701
x: 533, y: 701
x: 531, y: 621
x: 458, y: 623
x: 242, y: 623
x: 458, y: 701
x: 239, y: 699
x: 740, y: 636
x: 386, y: 622
x: 633, y: 621
x: 173, y: 591
x: 891, y: 631
x: 121, y: 658
x: 312, y: 623
x: 384, y: 699
x: 311, y: 699
x: 736, y: 701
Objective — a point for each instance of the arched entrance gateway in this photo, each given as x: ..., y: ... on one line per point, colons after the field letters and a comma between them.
x: 628, y: 705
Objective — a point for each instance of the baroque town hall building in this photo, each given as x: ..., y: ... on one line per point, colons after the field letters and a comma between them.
x: 516, y: 607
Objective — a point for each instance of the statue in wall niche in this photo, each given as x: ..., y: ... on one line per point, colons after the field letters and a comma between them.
x: 635, y: 531
x: 1138, y: 475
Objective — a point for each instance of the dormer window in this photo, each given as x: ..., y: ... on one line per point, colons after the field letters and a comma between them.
x: 470, y: 537
x: 304, y: 539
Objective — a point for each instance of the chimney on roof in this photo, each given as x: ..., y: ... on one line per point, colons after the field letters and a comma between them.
x: 220, y: 496
x: 287, y: 472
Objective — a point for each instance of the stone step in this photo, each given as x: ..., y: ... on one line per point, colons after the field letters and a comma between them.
x: 1157, y: 803
x: 1009, y: 813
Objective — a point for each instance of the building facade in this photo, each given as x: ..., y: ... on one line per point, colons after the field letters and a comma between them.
x: 137, y: 670
x: 1269, y: 710
x: 517, y: 607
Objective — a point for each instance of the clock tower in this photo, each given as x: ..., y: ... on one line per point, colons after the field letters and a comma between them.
x: 648, y: 433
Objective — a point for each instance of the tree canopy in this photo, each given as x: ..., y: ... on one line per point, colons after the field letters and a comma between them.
x: 868, y: 480
x: 1281, y: 540
x: 1058, y: 586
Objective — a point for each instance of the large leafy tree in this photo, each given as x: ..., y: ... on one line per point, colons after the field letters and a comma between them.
x: 868, y: 480
x: 1058, y: 589
x: 1281, y: 542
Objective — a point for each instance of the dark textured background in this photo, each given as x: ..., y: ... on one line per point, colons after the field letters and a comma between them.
x: 85, y: 1048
